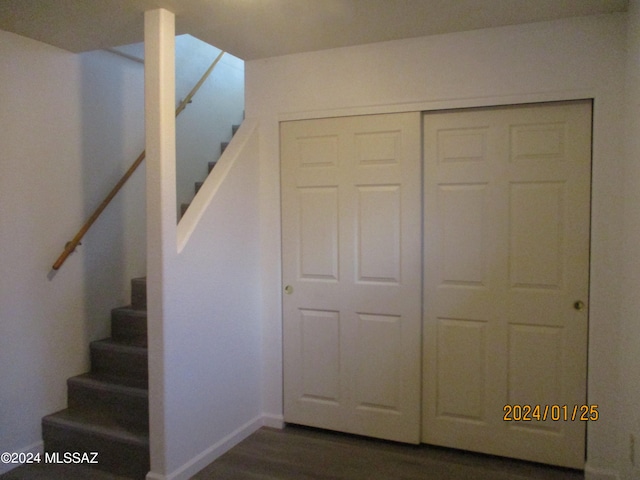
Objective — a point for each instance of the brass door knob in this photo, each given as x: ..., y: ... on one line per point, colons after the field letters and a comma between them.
x: 579, y: 305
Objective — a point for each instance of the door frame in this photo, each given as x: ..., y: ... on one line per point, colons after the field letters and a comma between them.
x: 602, y: 115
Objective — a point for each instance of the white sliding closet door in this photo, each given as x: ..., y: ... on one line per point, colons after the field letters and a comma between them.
x: 351, y: 239
x: 506, y: 248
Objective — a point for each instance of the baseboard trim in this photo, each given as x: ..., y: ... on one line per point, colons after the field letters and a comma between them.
x: 593, y: 473
x: 34, y: 449
x: 200, y: 461
x: 273, y: 421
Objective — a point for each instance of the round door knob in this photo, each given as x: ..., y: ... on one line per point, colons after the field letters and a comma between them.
x: 579, y: 305
x: 288, y: 289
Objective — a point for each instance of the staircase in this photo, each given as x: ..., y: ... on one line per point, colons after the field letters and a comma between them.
x: 223, y: 146
x: 108, y: 408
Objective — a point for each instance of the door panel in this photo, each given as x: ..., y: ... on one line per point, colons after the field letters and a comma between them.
x: 352, y: 257
x: 378, y: 234
x: 463, y: 216
x: 318, y: 234
x: 320, y: 351
x: 536, y: 218
x: 461, y: 354
x: 506, y: 248
x: 379, y: 360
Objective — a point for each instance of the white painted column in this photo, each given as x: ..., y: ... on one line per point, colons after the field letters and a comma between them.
x: 160, y: 129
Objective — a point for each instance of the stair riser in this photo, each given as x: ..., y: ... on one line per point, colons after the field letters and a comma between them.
x: 139, y: 293
x: 120, y: 363
x: 183, y: 209
x: 121, y: 458
x: 129, y: 326
x: 126, y: 409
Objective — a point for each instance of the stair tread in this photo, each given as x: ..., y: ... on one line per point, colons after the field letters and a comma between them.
x: 104, y: 382
x: 99, y: 424
x: 130, y: 310
x: 118, y: 345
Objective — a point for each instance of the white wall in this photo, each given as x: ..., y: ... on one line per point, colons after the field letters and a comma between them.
x: 630, y: 276
x: 69, y: 127
x: 576, y: 58
x: 212, y: 331
x: 203, y: 287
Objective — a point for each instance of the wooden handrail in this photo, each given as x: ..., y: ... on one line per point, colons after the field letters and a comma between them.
x: 71, y: 245
x: 197, y: 86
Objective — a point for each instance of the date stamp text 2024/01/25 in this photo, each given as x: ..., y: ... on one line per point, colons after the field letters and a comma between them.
x: 49, y: 457
x: 556, y: 413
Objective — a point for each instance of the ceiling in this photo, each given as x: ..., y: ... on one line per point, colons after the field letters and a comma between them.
x: 252, y: 29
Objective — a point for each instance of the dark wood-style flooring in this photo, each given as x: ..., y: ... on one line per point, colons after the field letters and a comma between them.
x: 298, y: 453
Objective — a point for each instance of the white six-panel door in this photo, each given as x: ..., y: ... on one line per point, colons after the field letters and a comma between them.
x: 352, y: 272
x: 506, y: 248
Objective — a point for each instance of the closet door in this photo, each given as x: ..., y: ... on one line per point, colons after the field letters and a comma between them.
x: 351, y: 239
x: 506, y: 248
